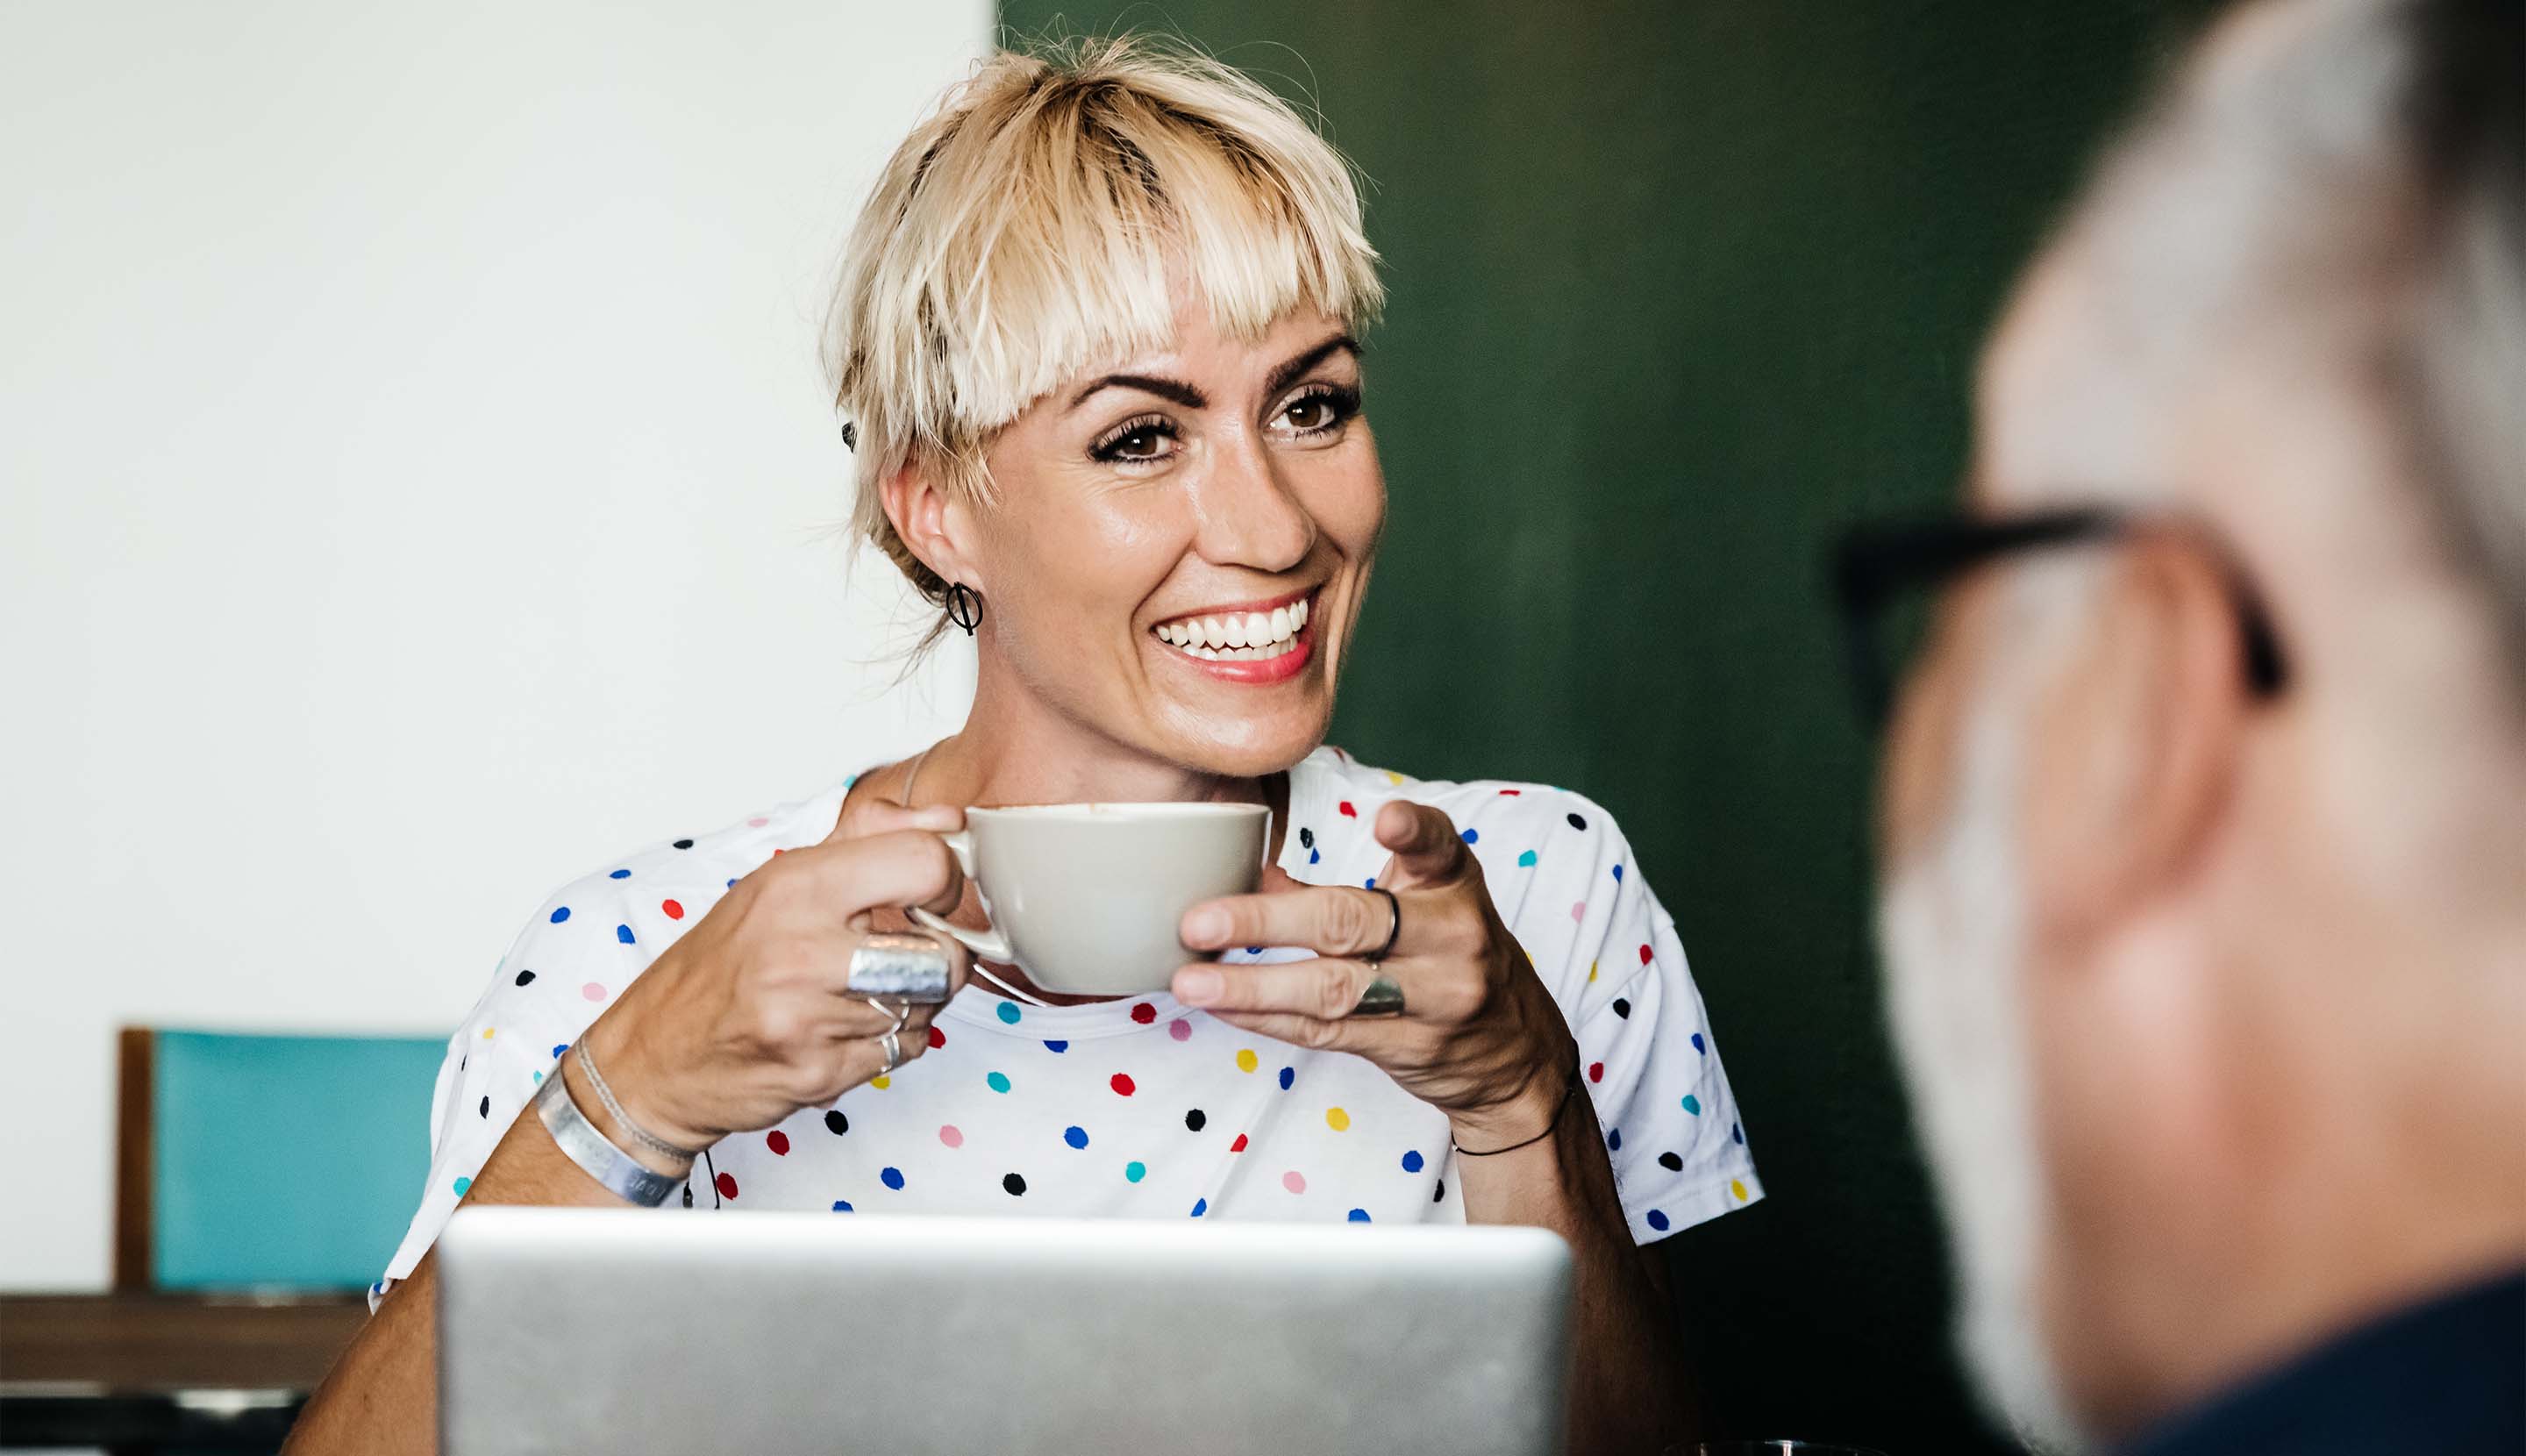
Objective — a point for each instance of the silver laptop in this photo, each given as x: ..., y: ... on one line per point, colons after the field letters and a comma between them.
x: 649, y: 1334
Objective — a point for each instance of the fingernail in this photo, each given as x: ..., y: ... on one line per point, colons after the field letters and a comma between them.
x: 1205, y: 928
x: 1199, y: 987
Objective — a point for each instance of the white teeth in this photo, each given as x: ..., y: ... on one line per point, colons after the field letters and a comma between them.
x: 1206, y: 652
x: 1258, y: 629
x: 1281, y: 626
x: 1238, y: 635
x: 1236, y: 625
x: 1211, y: 632
x: 1298, y: 615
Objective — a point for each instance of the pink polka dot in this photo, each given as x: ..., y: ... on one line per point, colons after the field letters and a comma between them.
x: 756, y: 824
x: 593, y: 991
x: 1181, y: 1030
x: 1295, y: 1181
x: 952, y: 1135
x: 1579, y: 911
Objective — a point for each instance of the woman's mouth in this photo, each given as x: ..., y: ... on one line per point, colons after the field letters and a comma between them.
x: 1262, y: 644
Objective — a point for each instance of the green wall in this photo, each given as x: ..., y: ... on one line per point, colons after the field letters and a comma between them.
x: 1679, y: 288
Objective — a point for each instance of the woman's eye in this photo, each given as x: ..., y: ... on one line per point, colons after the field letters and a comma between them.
x: 1320, y: 410
x: 1135, y: 442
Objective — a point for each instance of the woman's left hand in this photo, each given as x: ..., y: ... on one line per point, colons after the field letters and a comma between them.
x: 1480, y: 1037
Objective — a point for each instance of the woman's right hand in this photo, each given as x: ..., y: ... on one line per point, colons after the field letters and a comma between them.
x: 748, y: 1017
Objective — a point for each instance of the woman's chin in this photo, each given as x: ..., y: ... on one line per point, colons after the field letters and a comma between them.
x: 1252, y: 750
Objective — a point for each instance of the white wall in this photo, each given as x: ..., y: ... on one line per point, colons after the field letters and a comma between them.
x: 414, y: 459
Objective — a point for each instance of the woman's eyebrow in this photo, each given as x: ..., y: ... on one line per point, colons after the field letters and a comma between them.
x: 1282, y: 376
x: 1175, y: 389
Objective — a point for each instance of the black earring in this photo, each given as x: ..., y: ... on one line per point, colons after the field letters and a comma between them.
x: 964, y: 605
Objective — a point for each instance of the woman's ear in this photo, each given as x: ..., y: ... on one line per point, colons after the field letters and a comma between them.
x: 930, y: 523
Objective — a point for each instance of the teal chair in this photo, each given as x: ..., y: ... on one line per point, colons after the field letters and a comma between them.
x: 282, y: 1163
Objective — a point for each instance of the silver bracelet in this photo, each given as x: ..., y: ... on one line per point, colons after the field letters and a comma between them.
x: 621, y: 1119
x: 616, y: 1170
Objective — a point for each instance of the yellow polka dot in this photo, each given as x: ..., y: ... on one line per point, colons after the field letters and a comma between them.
x: 1592, y: 969
x: 1738, y: 1187
x: 488, y: 1031
x: 1393, y: 777
x: 1338, y: 1120
x: 881, y: 1082
x: 1246, y: 1060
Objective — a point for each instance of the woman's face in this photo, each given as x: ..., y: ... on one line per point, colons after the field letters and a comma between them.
x: 1180, y: 543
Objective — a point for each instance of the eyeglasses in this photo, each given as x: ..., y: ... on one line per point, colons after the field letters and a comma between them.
x: 1887, y: 574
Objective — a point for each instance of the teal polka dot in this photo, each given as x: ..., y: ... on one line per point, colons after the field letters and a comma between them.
x: 1526, y: 861
x: 1692, y: 1104
x: 998, y: 1081
x: 1009, y: 1013
x: 462, y: 1185
x: 1134, y: 1171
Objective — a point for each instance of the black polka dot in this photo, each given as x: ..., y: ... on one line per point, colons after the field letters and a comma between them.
x: 687, y: 843
x: 1306, y: 837
x: 688, y: 1195
x: 1195, y: 1119
x: 463, y: 1059
x: 1577, y: 823
x: 1670, y: 1162
x: 1015, y: 1185
x: 837, y: 1124
x: 1622, y: 1008
x: 525, y: 977
x: 1439, y: 1192
x: 485, y: 1110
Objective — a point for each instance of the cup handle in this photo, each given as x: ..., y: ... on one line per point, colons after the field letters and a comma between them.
x: 988, y: 942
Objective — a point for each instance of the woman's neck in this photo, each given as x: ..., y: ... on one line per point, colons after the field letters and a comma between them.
x: 1015, y: 750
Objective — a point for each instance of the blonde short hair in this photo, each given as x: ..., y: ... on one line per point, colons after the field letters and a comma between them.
x: 1035, y: 223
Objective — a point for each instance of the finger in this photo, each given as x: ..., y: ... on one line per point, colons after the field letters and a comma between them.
x: 875, y: 816
x: 1335, y: 921
x: 906, y: 867
x: 1297, y: 1031
x: 837, y: 976
x: 1325, y: 989
x: 1427, y: 849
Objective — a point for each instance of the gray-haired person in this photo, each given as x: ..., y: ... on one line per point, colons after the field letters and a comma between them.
x: 2206, y: 809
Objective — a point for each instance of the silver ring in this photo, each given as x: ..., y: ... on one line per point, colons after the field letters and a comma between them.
x: 911, y: 967
x: 902, y: 1011
x: 893, y: 1053
x: 1383, y: 997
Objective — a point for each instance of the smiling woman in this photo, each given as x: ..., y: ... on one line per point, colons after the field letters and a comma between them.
x: 1097, y: 346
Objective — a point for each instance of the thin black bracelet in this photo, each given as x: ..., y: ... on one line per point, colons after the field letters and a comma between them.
x: 1568, y: 1092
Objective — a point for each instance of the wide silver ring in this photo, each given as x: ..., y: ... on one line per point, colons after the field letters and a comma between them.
x: 1383, y: 997
x: 893, y: 1049
x: 913, y: 967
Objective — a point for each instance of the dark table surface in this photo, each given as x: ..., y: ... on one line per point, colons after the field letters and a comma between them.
x: 142, y: 1370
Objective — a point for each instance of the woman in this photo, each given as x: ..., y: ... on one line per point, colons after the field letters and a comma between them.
x: 1096, y: 348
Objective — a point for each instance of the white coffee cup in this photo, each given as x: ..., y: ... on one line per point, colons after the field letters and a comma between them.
x: 1086, y: 898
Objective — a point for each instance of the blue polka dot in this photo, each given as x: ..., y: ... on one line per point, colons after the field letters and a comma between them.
x: 1700, y: 1045
x: 1315, y: 856
x: 560, y: 914
x: 1371, y: 881
x: 1656, y: 1220
x: 1009, y: 1013
x: 1200, y: 1206
x: 1359, y: 1216
x: 1056, y: 1047
x: 624, y: 935
x: 1472, y: 836
x: 1135, y: 1170
x: 1614, y: 1140
x: 1692, y: 1104
x: 1075, y: 1136
x: 1618, y: 874
x: 462, y: 1185
x: 1412, y: 1161
x: 893, y: 1177
x: 1253, y: 951
x: 732, y: 884
x: 1289, y: 1074
x: 842, y: 1205
x: 1737, y: 1133
x: 558, y: 1050
x: 619, y: 874
x: 997, y: 1081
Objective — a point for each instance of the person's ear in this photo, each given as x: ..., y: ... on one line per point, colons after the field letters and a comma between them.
x: 933, y: 524
x: 2137, y: 742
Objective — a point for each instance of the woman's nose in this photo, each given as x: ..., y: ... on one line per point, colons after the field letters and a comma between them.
x: 1248, y: 514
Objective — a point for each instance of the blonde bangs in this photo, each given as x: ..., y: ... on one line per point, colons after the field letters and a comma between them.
x: 1043, y: 222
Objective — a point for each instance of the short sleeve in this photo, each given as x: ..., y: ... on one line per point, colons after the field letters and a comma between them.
x: 1564, y: 879
x: 564, y: 968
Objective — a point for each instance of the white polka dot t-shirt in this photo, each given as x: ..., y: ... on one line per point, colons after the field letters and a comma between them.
x: 1146, y: 1108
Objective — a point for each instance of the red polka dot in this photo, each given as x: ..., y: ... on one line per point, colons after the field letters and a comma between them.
x: 1238, y: 1145
x: 1145, y: 1013
x: 776, y: 854
x: 778, y: 1141
x: 726, y: 1184
x: 1123, y: 1083
x: 1512, y: 793
x: 1645, y: 953
x: 1347, y: 810
x: 675, y: 909
x: 1596, y: 1072
x: 937, y: 1038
